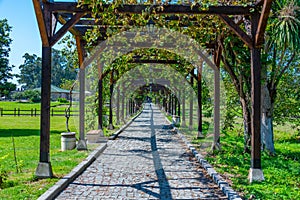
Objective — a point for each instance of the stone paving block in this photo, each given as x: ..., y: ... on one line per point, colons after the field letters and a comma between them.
x: 145, y: 162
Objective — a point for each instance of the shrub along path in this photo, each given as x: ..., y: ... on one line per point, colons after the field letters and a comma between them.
x: 145, y: 162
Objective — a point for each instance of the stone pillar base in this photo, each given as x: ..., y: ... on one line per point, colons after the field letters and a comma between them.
x: 215, y: 146
x: 255, y: 175
x: 183, y: 124
x: 95, y: 136
x: 200, y: 135
x: 110, y: 127
x: 44, y: 170
x: 81, y: 146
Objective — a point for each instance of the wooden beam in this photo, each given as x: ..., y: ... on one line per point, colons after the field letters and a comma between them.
x: 262, y: 24
x: 80, y: 50
x: 41, y: 22
x: 62, y: 31
x: 237, y: 30
x: 73, y: 30
x: 154, y: 61
x: 72, y: 7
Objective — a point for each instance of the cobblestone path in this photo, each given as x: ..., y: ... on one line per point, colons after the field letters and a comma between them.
x: 146, y: 161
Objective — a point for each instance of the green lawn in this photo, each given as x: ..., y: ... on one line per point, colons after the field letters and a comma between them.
x: 31, y: 109
x: 27, y: 105
x: 25, y: 130
x: 282, y: 171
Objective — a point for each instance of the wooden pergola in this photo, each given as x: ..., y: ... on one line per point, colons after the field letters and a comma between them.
x: 78, y: 20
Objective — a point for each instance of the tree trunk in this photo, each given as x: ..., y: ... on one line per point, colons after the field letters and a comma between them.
x: 247, y: 126
x: 267, y: 138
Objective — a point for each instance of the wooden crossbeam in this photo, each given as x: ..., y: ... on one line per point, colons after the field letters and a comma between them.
x: 67, y: 26
x: 149, y: 61
x: 237, y: 30
x: 71, y: 7
x: 262, y: 24
x: 73, y: 30
x: 41, y: 22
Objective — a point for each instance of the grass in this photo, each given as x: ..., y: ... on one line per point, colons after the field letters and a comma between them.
x: 28, y: 105
x: 24, y: 185
x: 28, y: 108
x: 25, y: 130
x: 282, y: 171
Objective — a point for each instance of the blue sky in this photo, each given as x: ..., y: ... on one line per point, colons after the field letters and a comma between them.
x: 25, y: 34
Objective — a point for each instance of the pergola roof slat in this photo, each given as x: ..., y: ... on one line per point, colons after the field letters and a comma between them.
x: 70, y: 7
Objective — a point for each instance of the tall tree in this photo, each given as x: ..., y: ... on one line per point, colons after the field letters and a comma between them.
x: 30, y: 74
x: 31, y: 70
x: 5, y: 69
x: 281, y: 52
x: 62, y: 68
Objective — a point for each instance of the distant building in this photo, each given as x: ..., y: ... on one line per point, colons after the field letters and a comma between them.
x: 57, y: 92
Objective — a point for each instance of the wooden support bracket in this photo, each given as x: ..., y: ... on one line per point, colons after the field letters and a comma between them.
x: 66, y: 27
x: 262, y: 24
x: 237, y: 30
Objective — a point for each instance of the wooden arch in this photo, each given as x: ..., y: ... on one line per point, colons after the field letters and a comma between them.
x: 74, y: 19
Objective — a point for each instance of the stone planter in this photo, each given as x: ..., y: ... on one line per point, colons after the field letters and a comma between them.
x: 68, y: 141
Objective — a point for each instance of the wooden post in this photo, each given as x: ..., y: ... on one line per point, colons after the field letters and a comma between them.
x: 199, y: 94
x: 111, y: 89
x: 255, y: 172
x: 216, y: 142
x: 80, y: 50
x: 179, y: 97
x: 183, y: 123
x: 172, y: 104
x: 175, y: 105
x: 166, y: 104
x: 118, y: 106
x: 44, y: 169
x: 100, y: 103
x: 127, y: 108
x: 123, y: 107
x: 191, y: 105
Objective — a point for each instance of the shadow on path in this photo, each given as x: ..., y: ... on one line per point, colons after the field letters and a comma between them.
x: 164, y: 186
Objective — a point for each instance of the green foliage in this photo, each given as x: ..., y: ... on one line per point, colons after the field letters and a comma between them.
x: 62, y: 100
x: 67, y: 84
x: 281, y: 172
x: 30, y: 74
x: 33, y: 95
x: 286, y: 24
x: 5, y: 69
x: 31, y: 70
x: 26, y: 131
x: 3, y: 172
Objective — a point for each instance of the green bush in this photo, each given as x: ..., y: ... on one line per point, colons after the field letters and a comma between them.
x: 32, y: 95
x: 62, y: 100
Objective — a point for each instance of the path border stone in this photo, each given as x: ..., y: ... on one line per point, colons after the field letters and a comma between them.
x: 217, y: 178
x: 59, y: 186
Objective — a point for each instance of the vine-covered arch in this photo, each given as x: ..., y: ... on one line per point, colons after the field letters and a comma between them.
x: 80, y: 20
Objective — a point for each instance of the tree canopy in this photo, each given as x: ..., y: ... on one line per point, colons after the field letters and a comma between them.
x: 5, y: 69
